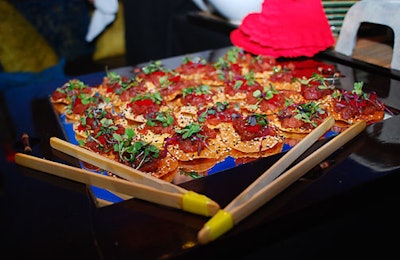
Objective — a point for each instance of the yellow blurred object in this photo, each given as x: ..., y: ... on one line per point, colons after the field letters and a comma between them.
x: 111, y: 42
x: 22, y: 48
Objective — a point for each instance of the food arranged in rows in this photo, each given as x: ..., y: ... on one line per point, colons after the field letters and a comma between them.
x: 184, y: 120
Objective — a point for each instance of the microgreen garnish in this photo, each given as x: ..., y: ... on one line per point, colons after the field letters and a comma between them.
x: 218, y: 107
x: 288, y: 102
x: 134, y: 152
x: 155, y: 97
x: 257, y: 119
x: 153, y: 67
x: 189, y: 131
x: 305, y: 112
x: 107, y: 126
x: 232, y: 54
x: 276, y: 69
x: 357, y: 92
x: 221, y: 106
x: 74, y: 84
x: 357, y: 89
x: 85, y: 99
x: 191, y: 174
x: 250, y: 78
x: 198, y: 90
x: 197, y: 60
x: 166, y: 119
x: 324, y: 82
x: 186, y: 60
x: 221, y: 64
x: 121, y: 82
x: 268, y: 92
x: 238, y: 84
x: 164, y: 82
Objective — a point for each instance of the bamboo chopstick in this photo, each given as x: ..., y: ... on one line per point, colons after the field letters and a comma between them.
x: 117, y: 168
x: 250, y: 200
x: 187, y: 201
x: 284, y: 162
x: 99, y: 180
x: 137, y: 184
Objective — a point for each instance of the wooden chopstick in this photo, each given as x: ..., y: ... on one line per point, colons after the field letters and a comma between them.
x: 135, y: 183
x: 284, y: 162
x: 117, y: 168
x: 250, y: 200
x: 188, y: 201
x: 102, y: 181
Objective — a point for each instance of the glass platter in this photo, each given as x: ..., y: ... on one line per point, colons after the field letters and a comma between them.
x: 228, y: 162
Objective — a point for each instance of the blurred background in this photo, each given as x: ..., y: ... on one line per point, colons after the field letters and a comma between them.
x: 45, y: 39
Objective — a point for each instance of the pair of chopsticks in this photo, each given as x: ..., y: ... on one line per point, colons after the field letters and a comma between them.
x: 132, y: 182
x: 272, y: 181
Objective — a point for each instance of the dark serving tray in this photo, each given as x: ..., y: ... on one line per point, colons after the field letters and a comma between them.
x: 228, y: 163
x: 346, y: 207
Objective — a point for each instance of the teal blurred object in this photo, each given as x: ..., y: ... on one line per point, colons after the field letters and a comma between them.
x: 63, y: 23
x: 20, y: 79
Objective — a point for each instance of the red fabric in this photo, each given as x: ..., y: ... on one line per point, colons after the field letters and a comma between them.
x: 285, y: 28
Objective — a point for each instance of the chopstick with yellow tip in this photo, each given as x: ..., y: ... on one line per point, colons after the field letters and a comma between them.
x: 268, y: 185
x: 132, y: 182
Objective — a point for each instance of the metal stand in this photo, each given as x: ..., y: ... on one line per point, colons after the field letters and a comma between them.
x: 383, y: 12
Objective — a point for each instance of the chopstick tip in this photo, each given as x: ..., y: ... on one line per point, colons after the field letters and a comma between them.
x: 212, y: 208
x: 215, y: 227
x: 204, y: 236
x: 199, y: 204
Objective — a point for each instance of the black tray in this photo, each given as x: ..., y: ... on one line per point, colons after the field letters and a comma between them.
x: 348, y: 207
